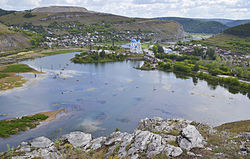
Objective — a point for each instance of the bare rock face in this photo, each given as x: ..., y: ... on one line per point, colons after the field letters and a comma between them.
x: 39, y: 147
x: 77, y: 139
x: 190, y: 138
x: 95, y: 144
x: 173, y: 151
x: 41, y: 142
x: 58, y: 9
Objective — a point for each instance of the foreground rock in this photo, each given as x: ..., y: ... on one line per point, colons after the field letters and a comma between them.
x: 190, y: 138
x: 151, y: 138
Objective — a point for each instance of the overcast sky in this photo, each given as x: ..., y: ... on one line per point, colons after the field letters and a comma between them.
x: 232, y: 9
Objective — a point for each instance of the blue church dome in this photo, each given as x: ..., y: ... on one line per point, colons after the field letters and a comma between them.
x: 133, y: 41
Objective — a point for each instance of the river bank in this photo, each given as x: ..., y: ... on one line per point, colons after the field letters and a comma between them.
x: 12, y: 81
x: 152, y: 138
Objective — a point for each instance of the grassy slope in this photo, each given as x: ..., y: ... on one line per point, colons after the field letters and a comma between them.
x: 198, y: 26
x: 10, y: 40
x: 119, y: 22
x: 235, y: 127
x: 236, y: 39
x: 4, y: 30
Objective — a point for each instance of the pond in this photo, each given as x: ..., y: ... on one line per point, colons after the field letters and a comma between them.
x: 102, y: 97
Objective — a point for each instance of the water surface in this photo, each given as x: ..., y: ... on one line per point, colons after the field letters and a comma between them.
x: 101, y: 97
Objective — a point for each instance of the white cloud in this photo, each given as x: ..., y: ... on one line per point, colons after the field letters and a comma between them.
x: 236, y: 9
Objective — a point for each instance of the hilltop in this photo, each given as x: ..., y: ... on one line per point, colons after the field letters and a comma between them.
x: 236, y: 39
x: 58, y: 9
x: 198, y: 26
x: 10, y: 40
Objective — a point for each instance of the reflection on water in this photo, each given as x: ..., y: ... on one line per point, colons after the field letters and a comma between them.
x: 102, y: 97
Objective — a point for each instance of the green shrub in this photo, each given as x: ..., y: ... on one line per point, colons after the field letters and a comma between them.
x: 3, y: 75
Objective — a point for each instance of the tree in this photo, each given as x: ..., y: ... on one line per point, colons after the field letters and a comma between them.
x: 160, y: 49
x: 155, y: 49
x: 211, y: 53
x: 102, y: 53
x: 198, y: 51
x: 196, y: 67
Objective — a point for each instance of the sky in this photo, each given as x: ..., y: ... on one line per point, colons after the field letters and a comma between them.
x: 230, y: 9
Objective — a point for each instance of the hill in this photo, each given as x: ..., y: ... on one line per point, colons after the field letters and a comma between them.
x: 4, y: 12
x: 47, y: 16
x: 198, y: 26
x: 236, y: 39
x: 229, y: 22
x: 10, y: 40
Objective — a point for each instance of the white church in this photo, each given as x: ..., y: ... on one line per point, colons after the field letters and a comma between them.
x: 135, y: 46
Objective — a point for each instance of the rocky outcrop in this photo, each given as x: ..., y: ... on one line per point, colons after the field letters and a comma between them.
x: 152, y: 137
x: 77, y: 139
x: 190, y: 138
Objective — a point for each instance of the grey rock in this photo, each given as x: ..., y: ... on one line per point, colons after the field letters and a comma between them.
x: 190, y: 138
x: 41, y: 142
x: 168, y: 138
x: 190, y: 153
x: 208, y: 149
x: 97, y: 143
x: 77, y: 139
x: 142, y: 138
x: 135, y: 156
x: 173, y: 151
x: 155, y: 147
x: 114, y: 138
x: 19, y: 157
x: 126, y: 141
x: 160, y: 125
x: 24, y: 147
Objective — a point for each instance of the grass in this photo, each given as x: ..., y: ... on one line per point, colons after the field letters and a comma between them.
x: 4, y: 29
x: 14, y: 126
x: 3, y: 75
x: 64, y: 51
x: 17, y: 68
x: 8, y: 77
x: 11, y: 82
x: 235, y: 127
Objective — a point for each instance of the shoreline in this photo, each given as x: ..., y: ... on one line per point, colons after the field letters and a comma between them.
x: 51, y: 115
x: 29, y: 81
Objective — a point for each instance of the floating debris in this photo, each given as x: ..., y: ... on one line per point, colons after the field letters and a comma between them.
x: 90, y: 89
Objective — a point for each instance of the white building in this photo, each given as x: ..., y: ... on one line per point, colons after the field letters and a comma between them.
x: 135, y: 47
